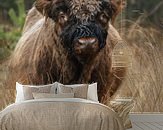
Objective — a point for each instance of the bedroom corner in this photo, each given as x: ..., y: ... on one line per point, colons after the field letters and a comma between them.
x: 81, y: 64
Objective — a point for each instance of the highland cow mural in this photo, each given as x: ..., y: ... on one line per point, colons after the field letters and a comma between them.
x: 69, y: 41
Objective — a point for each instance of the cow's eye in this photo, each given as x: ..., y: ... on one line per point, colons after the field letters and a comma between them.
x: 62, y: 18
x: 103, y: 18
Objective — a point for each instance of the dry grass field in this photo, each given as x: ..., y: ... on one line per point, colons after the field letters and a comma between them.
x: 5, y: 94
x: 144, y: 79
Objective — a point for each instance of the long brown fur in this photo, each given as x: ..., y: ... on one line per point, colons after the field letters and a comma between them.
x: 39, y: 58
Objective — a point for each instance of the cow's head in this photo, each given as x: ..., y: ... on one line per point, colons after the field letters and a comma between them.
x: 82, y: 24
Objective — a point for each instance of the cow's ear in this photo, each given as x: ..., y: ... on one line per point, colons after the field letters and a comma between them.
x: 118, y: 6
x: 44, y: 6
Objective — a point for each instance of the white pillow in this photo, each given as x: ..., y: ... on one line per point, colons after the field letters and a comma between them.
x: 92, y: 90
x: 49, y: 95
x: 80, y: 91
x: 24, y: 92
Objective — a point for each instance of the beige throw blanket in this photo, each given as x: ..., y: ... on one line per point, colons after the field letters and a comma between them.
x: 59, y: 114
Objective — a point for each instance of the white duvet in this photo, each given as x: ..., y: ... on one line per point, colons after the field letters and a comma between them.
x: 59, y: 114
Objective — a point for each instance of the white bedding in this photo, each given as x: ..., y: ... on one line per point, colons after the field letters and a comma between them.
x: 59, y: 114
x: 62, y: 100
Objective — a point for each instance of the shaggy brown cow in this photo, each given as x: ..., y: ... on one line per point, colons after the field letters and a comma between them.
x: 69, y: 41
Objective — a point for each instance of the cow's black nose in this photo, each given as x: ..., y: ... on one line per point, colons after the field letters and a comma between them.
x: 87, y: 41
x: 86, y: 45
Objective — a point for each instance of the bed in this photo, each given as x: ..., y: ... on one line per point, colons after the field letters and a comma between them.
x: 59, y: 114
